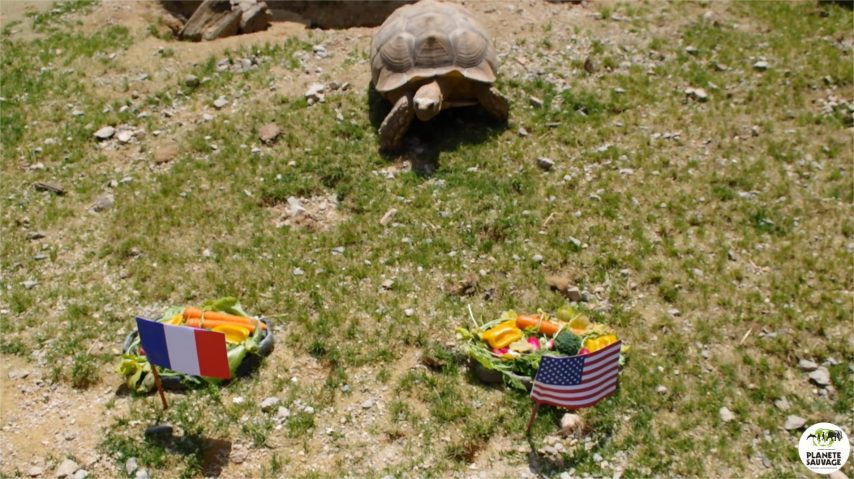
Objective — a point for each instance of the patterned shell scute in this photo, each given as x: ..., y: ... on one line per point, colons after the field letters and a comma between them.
x: 430, y: 39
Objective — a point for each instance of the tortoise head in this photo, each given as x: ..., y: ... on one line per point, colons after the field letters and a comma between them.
x: 428, y: 101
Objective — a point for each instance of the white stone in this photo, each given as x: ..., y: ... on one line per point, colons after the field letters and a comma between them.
x: 105, y: 133
x: 794, y: 422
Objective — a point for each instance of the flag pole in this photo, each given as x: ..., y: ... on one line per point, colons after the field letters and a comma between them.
x: 533, y: 416
x: 159, y: 385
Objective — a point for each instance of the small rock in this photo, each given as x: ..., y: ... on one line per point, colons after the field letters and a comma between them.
x: 545, y: 164
x: 837, y: 475
x: 238, y: 455
x: 16, y: 374
x: 35, y: 471
x: 388, y: 216
x: 538, y: 258
x: 314, y: 93
x: 192, y: 81
x: 270, y: 403
x: 820, y: 376
x: 589, y: 66
x: 81, y: 474
x: 220, y: 103
x: 661, y: 389
x: 77, y: 113
x: 29, y: 284
x: 807, y: 365
x: 105, y: 133
x: 142, y: 474
x: 573, y: 294
x: 409, y: 312
x: 698, y: 94
x: 782, y: 404
x: 571, y: 424
x: 295, y: 206
x: 131, y: 465
x: 66, y: 468
x: 269, y: 132
x: 159, y: 431
x: 674, y: 312
x: 283, y: 413
x: 103, y: 203
x: 597, y: 457
x: 35, y: 235
x: 49, y: 187
x: 207, y: 117
x: 298, y: 272
x: 387, y: 284
x: 726, y: 415
x: 761, y: 65
x: 522, y: 132
x: 125, y: 136
x: 368, y: 404
x: 238, y: 400
x: 535, y: 102
x: 165, y: 153
x: 794, y: 422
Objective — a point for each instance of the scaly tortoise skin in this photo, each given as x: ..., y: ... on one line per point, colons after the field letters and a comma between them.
x: 430, y: 56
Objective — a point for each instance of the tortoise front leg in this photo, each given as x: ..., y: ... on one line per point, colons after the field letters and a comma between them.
x: 396, y: 123
x: 494, y: 102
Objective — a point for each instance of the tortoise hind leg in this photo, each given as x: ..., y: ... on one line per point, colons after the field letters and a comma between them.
x: 494, y: 102
x: 396, y: 123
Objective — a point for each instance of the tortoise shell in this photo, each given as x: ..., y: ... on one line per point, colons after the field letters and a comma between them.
x: 430, y: 39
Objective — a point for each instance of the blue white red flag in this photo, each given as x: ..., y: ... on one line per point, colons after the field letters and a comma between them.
x: 198, y: 352
x: 577, y: 381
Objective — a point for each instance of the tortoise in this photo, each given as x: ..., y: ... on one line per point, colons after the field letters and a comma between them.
x: 428, y: 57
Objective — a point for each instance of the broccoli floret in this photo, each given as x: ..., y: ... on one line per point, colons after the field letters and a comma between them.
x: 567, y: 343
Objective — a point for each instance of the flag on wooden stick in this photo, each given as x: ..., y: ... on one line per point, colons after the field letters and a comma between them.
x: 580, y: 381
x: 184, y: 349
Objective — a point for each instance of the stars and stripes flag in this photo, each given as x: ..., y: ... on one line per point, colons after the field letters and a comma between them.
x: 577, y: 381
x: 194, y: 351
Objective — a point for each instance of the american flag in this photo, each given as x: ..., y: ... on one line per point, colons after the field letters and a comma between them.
x: 577, y: 381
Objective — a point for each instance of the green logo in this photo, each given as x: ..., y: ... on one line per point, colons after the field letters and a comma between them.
x: 825, y: 437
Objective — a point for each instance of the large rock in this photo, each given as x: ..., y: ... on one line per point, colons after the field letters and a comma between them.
x: 254, y: 17
x: 321, y: 14
x: 213, y: 19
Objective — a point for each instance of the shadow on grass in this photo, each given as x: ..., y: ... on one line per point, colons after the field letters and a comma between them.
x: 425, y: 141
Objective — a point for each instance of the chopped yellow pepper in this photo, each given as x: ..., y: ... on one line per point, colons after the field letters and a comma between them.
x: 595, y: 344
x: 502, y: 335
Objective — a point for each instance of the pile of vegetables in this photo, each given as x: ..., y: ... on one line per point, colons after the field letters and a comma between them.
x: 243, y: 335
x: 514, y: 343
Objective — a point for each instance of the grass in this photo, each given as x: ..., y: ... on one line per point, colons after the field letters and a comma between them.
x: 656, y: 203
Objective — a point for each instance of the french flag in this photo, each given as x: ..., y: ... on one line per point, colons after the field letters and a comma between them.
x: 198, y: 352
